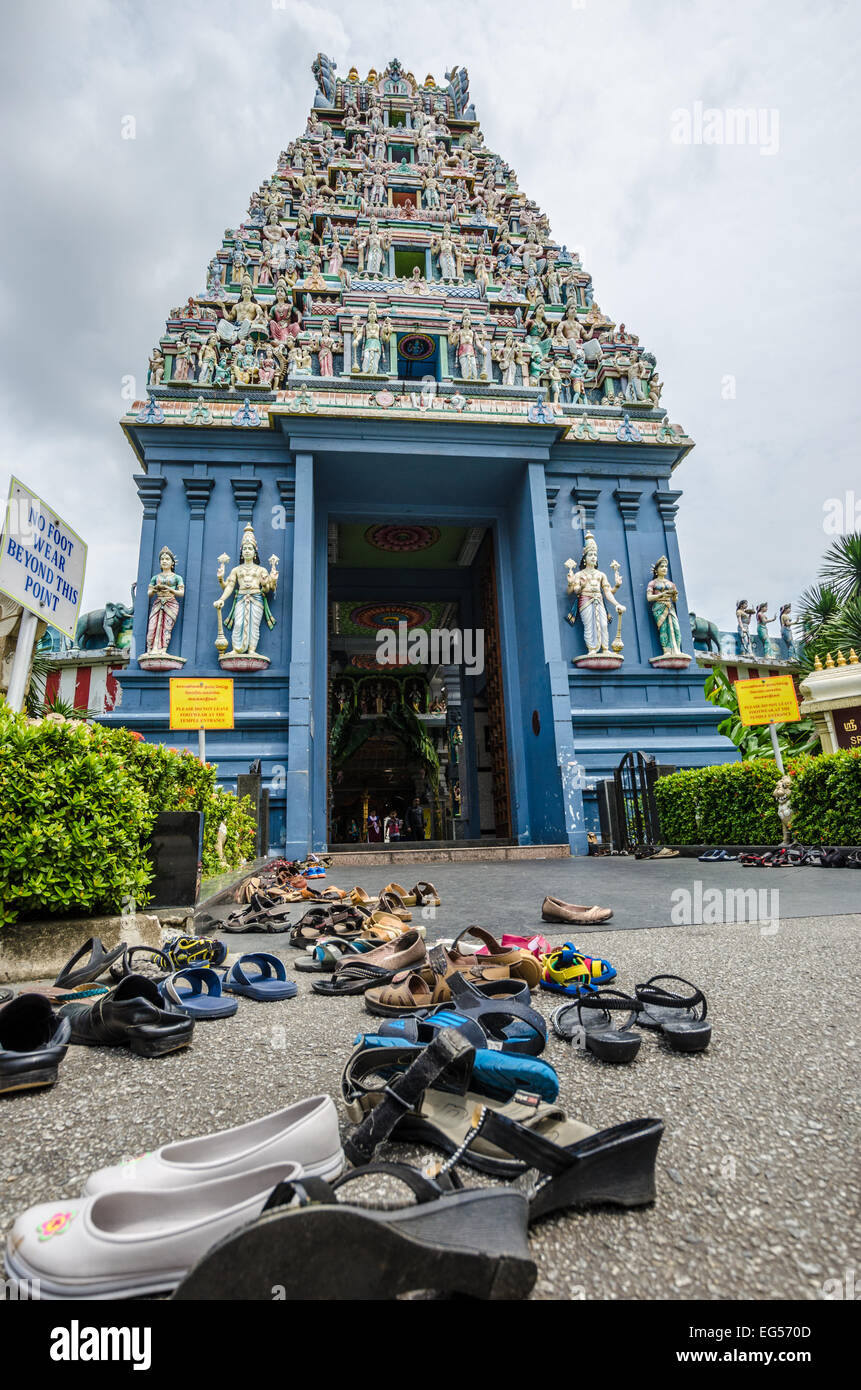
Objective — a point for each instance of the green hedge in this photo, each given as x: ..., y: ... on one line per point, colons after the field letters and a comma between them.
x: 732, y: 804
x: 77, y: 805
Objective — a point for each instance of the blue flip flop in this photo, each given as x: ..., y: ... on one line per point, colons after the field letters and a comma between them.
x: 267, y: 981
x: 202, y: 998
x: 498, y: 1075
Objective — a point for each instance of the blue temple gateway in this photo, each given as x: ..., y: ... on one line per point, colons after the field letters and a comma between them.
x: 411, y: 489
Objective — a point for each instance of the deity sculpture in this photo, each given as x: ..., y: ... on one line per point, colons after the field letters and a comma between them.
x: 663, y: 595
x: 208, y: 362
x: 377, y: 245
x: 165, y: 589
x: 325, y: 347
x: 156, y: 367
x: 469, y: 342
x: 281, y: 326
x: 589, y: 586
x: 782, y: 794
x: 634, y: 369
x: 786, y: 632
x: 444, y: 248
x: 374, y: 336
x: 239, y: 317
x: 762, y: 621
x: 249, y: 583
x: 743, y: 614
x: 506, y: 355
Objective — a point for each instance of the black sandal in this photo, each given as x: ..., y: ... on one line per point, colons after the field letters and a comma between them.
x: 675, y: 1015
x: 311, y: 1246
x: 614, y: 1166
x: 587, y: 1022
x: 142, y: 960
x: 98, y: 961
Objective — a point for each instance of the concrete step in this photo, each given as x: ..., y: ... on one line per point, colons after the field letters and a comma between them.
x: 418, y: 853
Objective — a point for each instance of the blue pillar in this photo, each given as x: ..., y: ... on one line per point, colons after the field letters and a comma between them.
x: 197, y: 491
x: 300, y: 738
x: 150, y: 489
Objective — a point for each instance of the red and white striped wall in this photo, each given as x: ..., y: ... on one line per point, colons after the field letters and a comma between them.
x: 87, y: 681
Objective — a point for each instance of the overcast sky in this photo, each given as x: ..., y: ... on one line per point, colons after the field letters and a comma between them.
x: 737, y: 267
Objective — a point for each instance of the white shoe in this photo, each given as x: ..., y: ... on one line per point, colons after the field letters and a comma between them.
x: 305, y: 1133
x: 126, y: 1244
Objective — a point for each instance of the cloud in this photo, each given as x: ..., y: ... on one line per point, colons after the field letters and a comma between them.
x: 725, y: 262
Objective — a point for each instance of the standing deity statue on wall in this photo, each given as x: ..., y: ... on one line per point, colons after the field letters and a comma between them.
x: 444, y: 248
x: 743, y: 615
x: 762, y: 620
x: 663, y: 595
x: 589, y: 586
x: 165, y: 589
x: 786, y: 631
x: 374, y: 335
x: 249, y: 583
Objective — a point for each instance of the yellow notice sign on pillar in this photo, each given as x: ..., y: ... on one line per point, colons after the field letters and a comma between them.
x: 201, y: 704
x: 769, y: 700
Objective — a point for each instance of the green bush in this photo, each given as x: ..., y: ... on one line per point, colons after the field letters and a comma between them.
x: 77, y: 805
x: 733, y: 803
x: 73, y: 829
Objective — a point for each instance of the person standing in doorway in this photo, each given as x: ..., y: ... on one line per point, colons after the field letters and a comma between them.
x: 416, y: 821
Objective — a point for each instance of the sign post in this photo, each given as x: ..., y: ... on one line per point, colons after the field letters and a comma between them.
x: 770, y: 700
x: 42, y: 566
x: 201, y: 704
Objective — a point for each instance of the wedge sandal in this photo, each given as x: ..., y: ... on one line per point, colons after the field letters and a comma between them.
x: 613, y: 1166
x: 588, y: 1023
x: 317, y: 1247
x: 680, y: 1018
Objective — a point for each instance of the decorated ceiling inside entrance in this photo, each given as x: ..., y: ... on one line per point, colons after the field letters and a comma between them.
x: 406, y: 545
x: 393, y: 265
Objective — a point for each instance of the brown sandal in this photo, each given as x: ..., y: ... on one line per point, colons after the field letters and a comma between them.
x: 425, y: 895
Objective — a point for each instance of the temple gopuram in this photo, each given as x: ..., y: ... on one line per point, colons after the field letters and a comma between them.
x: 412, y: 489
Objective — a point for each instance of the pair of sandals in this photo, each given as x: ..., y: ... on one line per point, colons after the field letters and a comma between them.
x: 413, y: 991
x: 565, y: 970
x: 680, y: 1018
x: 422, y: 894
x: 199, y: 991
x: 430, y: 1098
x: 717, y: 856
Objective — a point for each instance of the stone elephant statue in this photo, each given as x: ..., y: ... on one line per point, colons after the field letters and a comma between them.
x: 103, y: 627
x: 705, y: 631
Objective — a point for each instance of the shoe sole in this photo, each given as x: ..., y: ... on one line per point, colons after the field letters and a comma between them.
x: 29, y: 1080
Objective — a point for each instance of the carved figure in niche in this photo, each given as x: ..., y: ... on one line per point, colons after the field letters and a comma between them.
x: 662, y: 595
x: 250, y: 584
x: 743, y: 615
x: 165, y: 589
x: 589, y: 586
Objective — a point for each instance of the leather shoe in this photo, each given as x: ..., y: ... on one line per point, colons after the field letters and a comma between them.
x: 133, y: 1015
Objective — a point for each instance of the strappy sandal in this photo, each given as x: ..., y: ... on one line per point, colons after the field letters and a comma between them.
x: 521, y: 965
x: 359, y: 898
x: 566, y: 970
x: 344, y: 923
x: 487, y: 1016
x: 95, y: 960
x: 389, y: 922
x: 375, y: 968
x: 313, y: 1246
x: 588, y: 1022
x: 495, y: 1075
x: 430, y: 1103
x: 409, y: 993
x: 141, y: 960
x: 679, y: 1017
x: 613, y: 1166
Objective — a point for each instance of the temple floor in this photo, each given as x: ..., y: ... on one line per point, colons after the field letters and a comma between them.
x: 755, y: 1175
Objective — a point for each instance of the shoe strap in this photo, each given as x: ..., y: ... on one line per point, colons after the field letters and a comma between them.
x: 652, y: 993
x: 532, y: 1149
x: 449, y: 1052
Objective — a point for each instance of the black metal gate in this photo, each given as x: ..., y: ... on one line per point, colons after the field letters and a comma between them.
x: 637, y: 811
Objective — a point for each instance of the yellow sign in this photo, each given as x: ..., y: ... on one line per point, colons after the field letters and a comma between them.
x: 772, y: 698
x: 201, y: 704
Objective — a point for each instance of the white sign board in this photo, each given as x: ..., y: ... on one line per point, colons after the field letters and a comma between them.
x: 42, y: 560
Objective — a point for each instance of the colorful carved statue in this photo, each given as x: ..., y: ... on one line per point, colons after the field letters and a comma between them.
x: 786, y: 632
x: 250, y: 584
x: 663, y: 595
x: 589, y: 587
x: 374, y: 335
x: 762, y: 621
x: 165, y: 589
x: 743, y: 615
